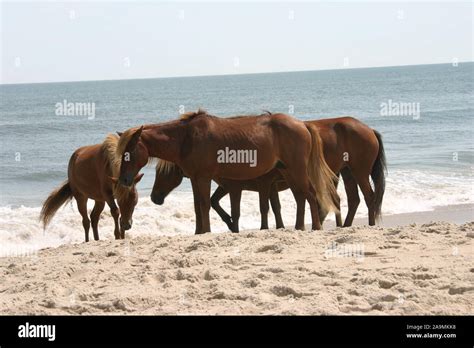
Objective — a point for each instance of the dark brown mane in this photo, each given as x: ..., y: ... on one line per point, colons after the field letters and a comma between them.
x: 192, y: 114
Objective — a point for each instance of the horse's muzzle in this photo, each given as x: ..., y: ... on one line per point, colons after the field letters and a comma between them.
x: 126, y: 225
x: 157, y: 199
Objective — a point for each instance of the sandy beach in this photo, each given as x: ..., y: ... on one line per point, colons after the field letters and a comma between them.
x: 417, y: 269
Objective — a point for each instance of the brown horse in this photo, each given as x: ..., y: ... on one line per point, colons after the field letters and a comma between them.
x: 351, y: 148
x: 356, y: 151
x: 169, y: 176
x: 195, y: 143
x: 92, y: 174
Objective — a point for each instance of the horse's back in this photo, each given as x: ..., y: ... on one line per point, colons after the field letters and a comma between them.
x: 264, y: 120
x: 85, y: 157
x: 347, y: 140
x: 347, y: 127
x: 273, y: 137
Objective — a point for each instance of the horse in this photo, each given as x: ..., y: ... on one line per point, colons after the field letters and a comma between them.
x: 356, y: 152
x: 169, y: 176
x: 92, y: 174
x: 195, y: 143
x: 351, y: 149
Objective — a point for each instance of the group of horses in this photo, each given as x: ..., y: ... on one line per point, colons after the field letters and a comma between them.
x: 307, y: 157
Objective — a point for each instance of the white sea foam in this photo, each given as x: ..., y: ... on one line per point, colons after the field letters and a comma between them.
x: 407, y: 191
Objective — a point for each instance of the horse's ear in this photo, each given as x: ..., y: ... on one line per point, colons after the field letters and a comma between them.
x: 113, y: 180
x: 119, y: 133
x: 137, y: 178
x: 135, y: 137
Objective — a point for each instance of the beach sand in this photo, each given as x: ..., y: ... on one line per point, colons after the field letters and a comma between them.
x: 424, y: 268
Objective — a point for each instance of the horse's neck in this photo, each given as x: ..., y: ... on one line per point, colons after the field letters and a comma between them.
x: 164, y: 141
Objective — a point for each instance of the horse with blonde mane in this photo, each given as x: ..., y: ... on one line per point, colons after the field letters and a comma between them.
x: 92, y: 174
x: 194, y: 141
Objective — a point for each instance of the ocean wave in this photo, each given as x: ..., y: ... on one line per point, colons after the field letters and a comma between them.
x: 407, y: 191
x: 415, y: 190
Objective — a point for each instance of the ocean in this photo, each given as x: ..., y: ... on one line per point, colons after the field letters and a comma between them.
x: 424, y: 112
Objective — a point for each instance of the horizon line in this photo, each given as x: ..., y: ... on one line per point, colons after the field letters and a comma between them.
x: 232, y: 74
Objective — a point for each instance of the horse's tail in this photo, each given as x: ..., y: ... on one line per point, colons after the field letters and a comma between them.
x: 378, y: 173
x: 55, y: 200
x: 321, y: 176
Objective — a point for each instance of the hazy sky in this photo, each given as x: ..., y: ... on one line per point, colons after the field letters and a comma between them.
x: 54, y: 41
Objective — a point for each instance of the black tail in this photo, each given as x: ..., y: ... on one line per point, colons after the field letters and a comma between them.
x: 55, y: 200
x: 379, y: 171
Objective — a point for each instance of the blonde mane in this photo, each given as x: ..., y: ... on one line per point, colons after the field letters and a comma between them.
x: 123, y: 141
x: 165, y: 167
x: 110, y: 147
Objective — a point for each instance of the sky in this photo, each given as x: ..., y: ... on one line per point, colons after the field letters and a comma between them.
x: 103, y: 40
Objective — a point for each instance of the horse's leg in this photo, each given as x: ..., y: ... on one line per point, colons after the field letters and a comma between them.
x: 197, y: 208
x: 338, y: 204
x: 300, y: 197
x: 95, y: 215
x: 216, y: 197
x: 204, y: 189
x: 82, y: 207
x: 300, y: 209
x: 314, y: 208
x: 115, y: 212
x: 364, y: 184
x: 235, y: 196
x: 352, y: 193
x: 304, y: 190
x: 276, y: 206
x: 264, y: 195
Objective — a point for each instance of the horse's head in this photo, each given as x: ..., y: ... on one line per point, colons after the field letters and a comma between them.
x: 127, y: 203
x: 168, y: 177
x: 134, y: 155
